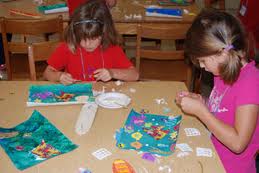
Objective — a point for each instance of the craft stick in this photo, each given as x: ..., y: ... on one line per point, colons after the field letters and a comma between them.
x: 120, y: 104
x: 192, y: 14
x: 23, y: 13
x: 75, y: 80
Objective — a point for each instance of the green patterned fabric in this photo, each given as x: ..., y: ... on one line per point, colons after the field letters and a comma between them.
x: 34, y: 141
x: 156, y: 134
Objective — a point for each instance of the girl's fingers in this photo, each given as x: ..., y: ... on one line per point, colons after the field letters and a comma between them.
x: 67, y: 82
x: 178, y: 100
x: 183, y: 93
x: 97, y: 74
x: 102, y: 74
x: 97, y: 71
x: 66, y: 79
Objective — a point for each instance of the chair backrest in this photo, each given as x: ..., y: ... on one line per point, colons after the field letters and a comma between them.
x: 209, y: 3
x: 163, y: 32
x: 26, y: 27
x: 39, y: 52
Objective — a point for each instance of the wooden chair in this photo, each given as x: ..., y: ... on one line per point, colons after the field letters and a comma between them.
x: 173, y: 56
x: 39, y: 52
x: 27, y: 27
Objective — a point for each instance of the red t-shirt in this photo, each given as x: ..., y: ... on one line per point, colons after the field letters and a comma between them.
x: 63, y: 59
x: 73, y: 4
x: 250, y: 17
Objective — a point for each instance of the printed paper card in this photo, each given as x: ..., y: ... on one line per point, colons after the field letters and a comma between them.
x: 58, y: 94
x: 34, y: 141
x: 151, y: 133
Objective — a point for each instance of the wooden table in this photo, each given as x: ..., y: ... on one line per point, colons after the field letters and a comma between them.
x: 13, y: 96
x: 120, y: 13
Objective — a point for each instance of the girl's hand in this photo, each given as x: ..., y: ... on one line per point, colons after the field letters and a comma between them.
x: 111, y: 3
x: 66, y: 79
x: 191, y: 103
x: 180, y: 95
x: 183, y: 94
x: 103, y: 74
x: 193, y: 106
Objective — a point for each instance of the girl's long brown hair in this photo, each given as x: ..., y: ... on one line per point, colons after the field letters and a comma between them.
x: 77, y: 30
x: 211, y: 32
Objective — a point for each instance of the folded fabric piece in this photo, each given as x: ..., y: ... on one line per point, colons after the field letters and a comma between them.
x: 151, y: 133
x: 33, y: 141
x: 164, y: 12
x: 54, y: 8
x: 173, y: 2
x: 57, y: 10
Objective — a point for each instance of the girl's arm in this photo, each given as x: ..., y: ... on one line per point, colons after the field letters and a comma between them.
x: 129, y: 74
x: 235, y: 138
x: 238, y: 137
x: 54, y: 75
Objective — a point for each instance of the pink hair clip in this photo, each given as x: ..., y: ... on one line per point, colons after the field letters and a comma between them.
x: 229, y: 47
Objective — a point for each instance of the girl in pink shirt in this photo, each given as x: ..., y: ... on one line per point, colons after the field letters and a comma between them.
x: 217, y: 42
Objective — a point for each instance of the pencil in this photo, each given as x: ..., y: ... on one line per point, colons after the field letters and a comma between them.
x: 23, y: 13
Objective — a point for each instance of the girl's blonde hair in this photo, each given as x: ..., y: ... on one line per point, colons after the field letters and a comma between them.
x: 213, y: 31
x: 89, y: 21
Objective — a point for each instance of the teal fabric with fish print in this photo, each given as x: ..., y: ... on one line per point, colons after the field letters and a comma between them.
x: 33, y: 141
x: 151, y: 133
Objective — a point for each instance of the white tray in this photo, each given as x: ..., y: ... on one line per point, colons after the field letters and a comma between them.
x: 113, y: 100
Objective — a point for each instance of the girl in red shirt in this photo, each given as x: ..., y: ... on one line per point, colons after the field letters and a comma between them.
x: 73, y: 4
x: 90, y: 51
